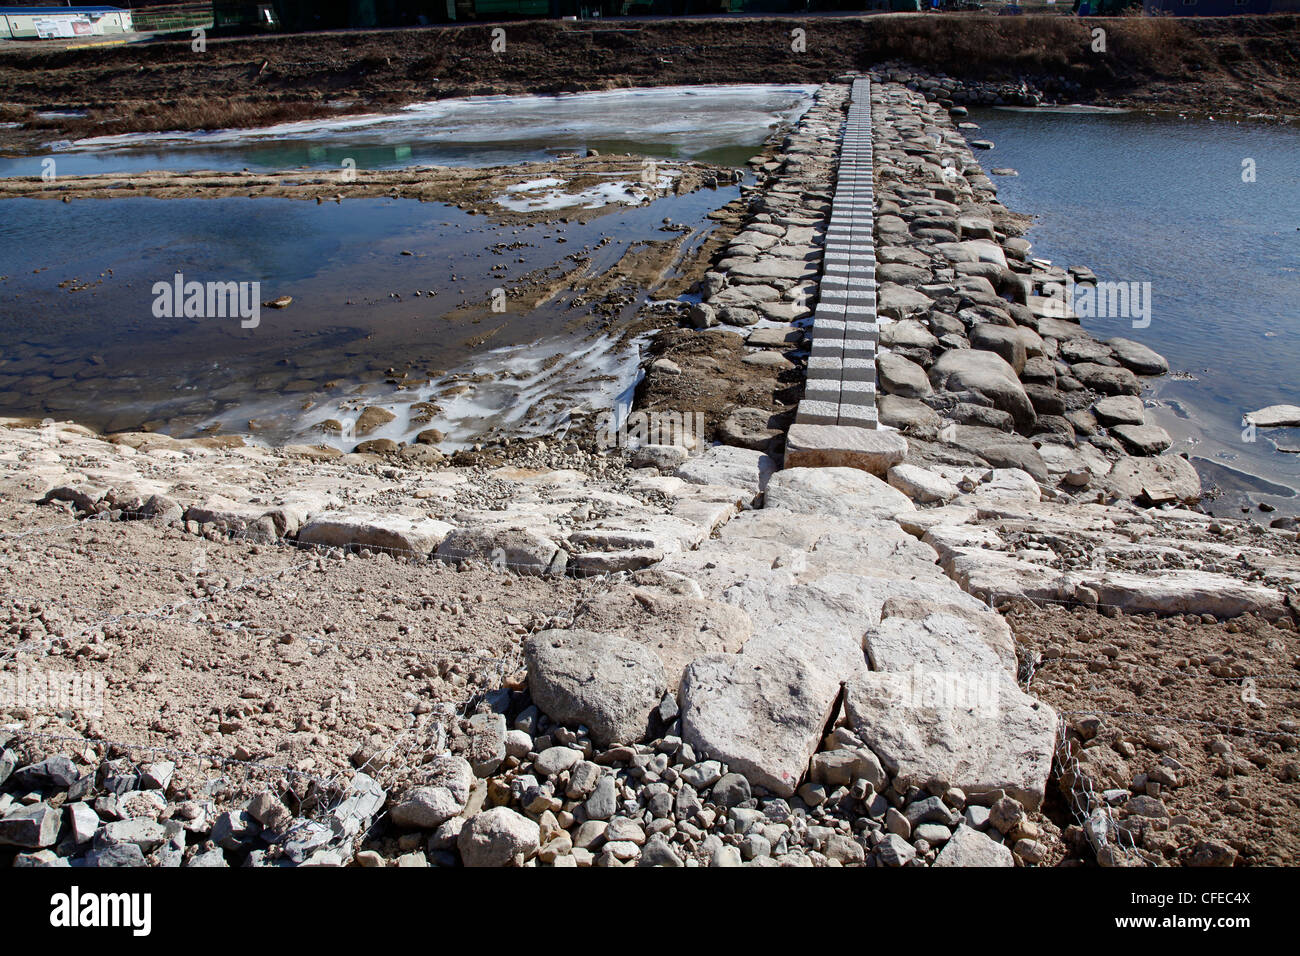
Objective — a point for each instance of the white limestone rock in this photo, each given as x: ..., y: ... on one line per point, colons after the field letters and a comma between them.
x: 393, y: 533
x: 608, y: 683
x: 835, y: 492
x: 979, y: 736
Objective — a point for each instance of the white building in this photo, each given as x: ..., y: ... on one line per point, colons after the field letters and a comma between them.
x: 51, y: 23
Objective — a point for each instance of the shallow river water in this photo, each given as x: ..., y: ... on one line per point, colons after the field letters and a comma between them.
x: 80, y: 338
x: 1162, y: 199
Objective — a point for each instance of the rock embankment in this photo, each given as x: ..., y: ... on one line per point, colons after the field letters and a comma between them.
x: 982, y: 360
x: 949, y: 91
x: 769, y: 270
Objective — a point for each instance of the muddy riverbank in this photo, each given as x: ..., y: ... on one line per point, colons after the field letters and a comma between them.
x: 569, y: 189
x: 1237, y: 65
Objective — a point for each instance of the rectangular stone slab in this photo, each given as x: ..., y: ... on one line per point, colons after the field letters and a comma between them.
x: 817, y: 446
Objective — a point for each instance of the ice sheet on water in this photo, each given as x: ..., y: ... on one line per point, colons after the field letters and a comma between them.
x: 618, y: 191
x: 689, y: 118
x: 520, y: 390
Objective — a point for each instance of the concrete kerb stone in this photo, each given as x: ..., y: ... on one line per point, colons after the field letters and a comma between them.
x: 841, y: 383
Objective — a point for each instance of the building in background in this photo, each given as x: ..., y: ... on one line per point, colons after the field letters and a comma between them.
x: 62, y: 23
x: 1213, y: 8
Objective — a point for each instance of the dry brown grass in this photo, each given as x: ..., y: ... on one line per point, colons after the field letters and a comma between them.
x: 993, y: 47
x: 1228, y: 64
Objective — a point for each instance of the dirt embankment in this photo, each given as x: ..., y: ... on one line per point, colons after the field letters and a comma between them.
x: 1231, y: 65
x: 1200, y: 704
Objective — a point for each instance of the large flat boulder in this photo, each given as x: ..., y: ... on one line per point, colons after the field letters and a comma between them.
x: 608, y: 683
x: 521, y: 550
x: 1142, y: 439
x: 774, y: 269
x: 906, y: 413
x: 975, y: 734
x: 998, y: 576
x: 901, y: 376
x: 908, y: 333
x: 677, y: 627
x: 1000, y: 449
x: 1119, y: 410
x: 1107, y: 379
x: 1275, y: 416
x: 821, y: 624
x: 937, y: 642
x: 1185, y: 592
x: 1002, y: 340
x: 895, y: 301
x: 1156, y: 481
x: 820, y: 446
x: 835, y: 491
x: 393, y: 533
x: 728, y: 465
x: 761, y: 713
x: 920, y: 484
x: 1137, y: 357
x: 973, y: 250
x: 990, y: 375
x: 990, y: 626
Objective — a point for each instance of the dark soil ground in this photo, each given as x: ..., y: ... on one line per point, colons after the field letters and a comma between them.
x: 1229, y: 65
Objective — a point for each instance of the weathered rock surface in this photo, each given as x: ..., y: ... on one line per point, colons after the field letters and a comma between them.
x: 1160, y: 480
x: 921, y: 485
x: 762, y: 714
x: 1275, y: 416
x: 970, y: 847
x: 922, y: 727
x: 843, y: 492
x: 1138, y: 357
x: 868, y: 449
x: 730, y: 466
x: 986, y: 373
x: 392, y: 533
x: 498, y: 837
x: 900, y: 376
x: 606, y: 683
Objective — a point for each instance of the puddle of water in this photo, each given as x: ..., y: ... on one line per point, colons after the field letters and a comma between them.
x: 719, y: 124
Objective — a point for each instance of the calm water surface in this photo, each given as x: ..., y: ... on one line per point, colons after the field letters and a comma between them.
x: 79, y: 339
x: 1162, y: 200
